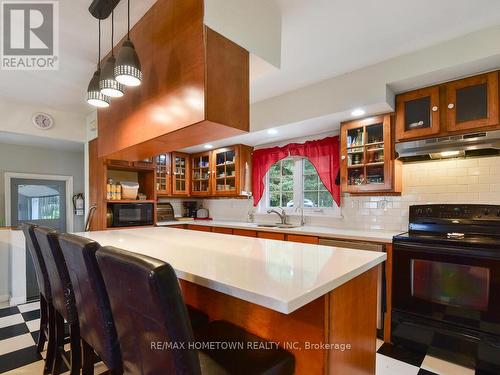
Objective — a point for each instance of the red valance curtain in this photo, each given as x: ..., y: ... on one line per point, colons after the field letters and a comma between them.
x: 323, y: 154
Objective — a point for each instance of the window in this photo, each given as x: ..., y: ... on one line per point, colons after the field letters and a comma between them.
x: 294, y: 179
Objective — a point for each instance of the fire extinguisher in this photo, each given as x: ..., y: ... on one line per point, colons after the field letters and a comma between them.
x: 78, y: 203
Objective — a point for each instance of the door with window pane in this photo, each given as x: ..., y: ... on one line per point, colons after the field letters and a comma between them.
x: 41, y: 202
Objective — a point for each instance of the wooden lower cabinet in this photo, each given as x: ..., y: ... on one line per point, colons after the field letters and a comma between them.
x: 180, y: 226
x: 302, y: 239
x: 200, y: 228
x: 271, y: 236
x: 222, y: 230
x: 244, y: 232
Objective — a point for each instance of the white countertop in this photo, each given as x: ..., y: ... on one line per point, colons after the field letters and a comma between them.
x: 279, y: 275
x: 379, y: 236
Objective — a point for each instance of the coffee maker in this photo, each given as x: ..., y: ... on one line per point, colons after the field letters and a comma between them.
x: 190, y: 208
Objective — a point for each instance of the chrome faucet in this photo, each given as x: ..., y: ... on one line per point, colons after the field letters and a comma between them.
x: 282, y: 215
x: 302, y: 221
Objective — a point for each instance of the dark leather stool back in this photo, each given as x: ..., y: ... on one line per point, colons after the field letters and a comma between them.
x: 92, y: 303
x: 62, y: 292
x: 148, y: 308
x: 36, y: 254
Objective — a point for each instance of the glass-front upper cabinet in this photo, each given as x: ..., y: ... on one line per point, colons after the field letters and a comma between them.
x: 417, y: 113
x: 367, y: 163
x: 180, y: 173
x: 163, y: 176
x: 225, y: 171
x: 472, y: 102
x: 200, y: 174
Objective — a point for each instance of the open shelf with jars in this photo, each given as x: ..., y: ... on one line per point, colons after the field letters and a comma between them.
x: 367, y: 163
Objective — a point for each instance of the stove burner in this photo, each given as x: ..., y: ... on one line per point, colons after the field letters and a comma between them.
x: 455, y: 235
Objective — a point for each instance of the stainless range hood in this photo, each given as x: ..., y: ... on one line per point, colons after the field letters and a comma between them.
x: 465, y: 145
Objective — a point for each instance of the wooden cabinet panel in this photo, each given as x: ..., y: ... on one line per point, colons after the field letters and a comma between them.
x: 180, y: 174
x: 200, y: 228
x: 179, y: 226
x: 201, y: 181
x: 417, y: 113
x: 367, y: 158
x: 271, y: 236
x: 222, y: 230
x: 244, y: 232
x: 302, y: 239
x: 472, y: 102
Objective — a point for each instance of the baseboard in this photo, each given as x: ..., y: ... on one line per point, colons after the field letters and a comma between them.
x: 17, y: 301
x: 4, y: 298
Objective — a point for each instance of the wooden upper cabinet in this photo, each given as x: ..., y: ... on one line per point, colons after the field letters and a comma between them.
x: 417, y: 113
x: 367, y: 157
x: 163, y: 174
x: 180, y: 173
x: 231, y: 170
x: 472, y: 102
x: 454, y: 107
x: 201, y: 182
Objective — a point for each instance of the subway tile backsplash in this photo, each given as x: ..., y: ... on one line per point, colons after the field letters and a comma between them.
x: 447, y: 181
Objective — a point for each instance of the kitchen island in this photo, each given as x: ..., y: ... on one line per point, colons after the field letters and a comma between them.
x: 318, y: 302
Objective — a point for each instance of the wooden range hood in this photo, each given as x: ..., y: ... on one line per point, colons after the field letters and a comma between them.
x: 195, y: 87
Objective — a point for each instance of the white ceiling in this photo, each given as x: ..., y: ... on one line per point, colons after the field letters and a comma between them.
x: 325, y: 38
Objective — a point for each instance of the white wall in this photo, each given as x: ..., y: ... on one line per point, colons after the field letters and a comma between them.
x: 445, y: 181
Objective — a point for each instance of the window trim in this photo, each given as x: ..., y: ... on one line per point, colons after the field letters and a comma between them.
x: 298, y: 184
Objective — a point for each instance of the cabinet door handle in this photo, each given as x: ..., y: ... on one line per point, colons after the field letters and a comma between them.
x: 343, y: 157
x: 451, y: 106
x: 435, y: 108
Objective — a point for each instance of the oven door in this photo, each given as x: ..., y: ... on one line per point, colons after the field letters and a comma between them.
x: 448, y: 284
x: 132, y: 214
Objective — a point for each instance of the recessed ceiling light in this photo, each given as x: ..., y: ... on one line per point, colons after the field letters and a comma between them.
x: 358, y: 112
x: 208, y: 147
x: 272, y: 131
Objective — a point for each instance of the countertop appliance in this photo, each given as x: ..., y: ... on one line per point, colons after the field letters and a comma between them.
x: 202, y: 213
x: 165, y: 211
x: 132, y: 214
x: 190, y: 208
x: 446, y: 284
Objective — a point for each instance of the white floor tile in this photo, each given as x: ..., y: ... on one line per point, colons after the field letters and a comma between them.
x: 29, y: 306
x: 389, y: 366
x: 442, y: 367
x: 379, y: 344
x: 34, y: 368
x: 33, y: 325
x: 11, y: 320
x: 15, y: 343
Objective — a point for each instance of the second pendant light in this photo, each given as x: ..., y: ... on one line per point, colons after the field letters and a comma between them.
x: 108, y: 84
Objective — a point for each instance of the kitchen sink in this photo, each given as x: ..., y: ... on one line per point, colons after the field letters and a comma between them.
x: 283, y: 226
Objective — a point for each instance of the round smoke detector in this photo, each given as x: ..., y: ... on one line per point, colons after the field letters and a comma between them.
x: 42, y: 121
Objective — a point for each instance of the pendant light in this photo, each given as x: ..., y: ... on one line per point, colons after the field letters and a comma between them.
x: 108, y: 84
x: 128, y: 67
x: 94, y: 95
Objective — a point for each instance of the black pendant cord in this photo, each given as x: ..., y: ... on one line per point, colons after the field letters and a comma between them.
x: 112, y: 33
x: 99, y: 53
x: 128, y: 19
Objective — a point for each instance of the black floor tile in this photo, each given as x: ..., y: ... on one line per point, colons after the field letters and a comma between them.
x: 425, y: 372
x: 31, y: 315
x: 15, y: 330
x: 8, y: 311
x: 19, y: 358
x: 35, y: 335
x: 401, y: 354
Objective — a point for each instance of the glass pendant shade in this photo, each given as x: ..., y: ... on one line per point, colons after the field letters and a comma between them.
x: 94, y: 95
x: 128, y: 67
x: 108, y: 85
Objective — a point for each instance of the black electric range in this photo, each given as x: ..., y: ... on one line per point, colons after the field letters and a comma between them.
x: 446, y: 283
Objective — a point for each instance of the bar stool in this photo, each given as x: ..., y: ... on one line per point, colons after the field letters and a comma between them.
x: 97, y: 329
x: 63, y: 302
x: 46, y: 331
x: 154, y: 330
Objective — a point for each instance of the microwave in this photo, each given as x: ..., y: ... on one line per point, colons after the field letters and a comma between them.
x: 131, y: 214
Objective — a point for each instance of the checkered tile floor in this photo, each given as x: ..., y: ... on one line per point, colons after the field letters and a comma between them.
x: 19, y: 332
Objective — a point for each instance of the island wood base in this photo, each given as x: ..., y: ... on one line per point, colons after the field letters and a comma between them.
x: 347, y: 315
